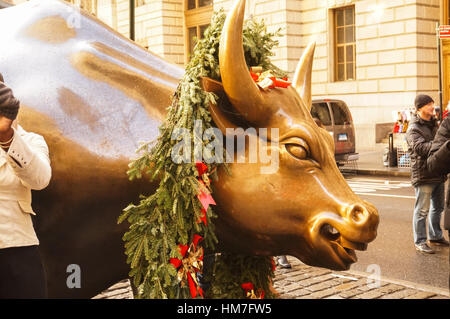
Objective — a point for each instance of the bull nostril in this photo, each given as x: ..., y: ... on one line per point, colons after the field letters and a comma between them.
x: 358, y: 214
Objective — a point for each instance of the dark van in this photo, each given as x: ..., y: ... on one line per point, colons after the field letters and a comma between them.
x: 336, y: 118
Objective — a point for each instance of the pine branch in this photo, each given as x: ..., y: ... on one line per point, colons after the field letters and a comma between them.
x: 168, y: 217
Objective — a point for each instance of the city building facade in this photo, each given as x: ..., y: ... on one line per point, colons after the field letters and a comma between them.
x: 376, y: 55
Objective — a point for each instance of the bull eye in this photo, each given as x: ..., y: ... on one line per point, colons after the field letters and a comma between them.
x: 297, y: 151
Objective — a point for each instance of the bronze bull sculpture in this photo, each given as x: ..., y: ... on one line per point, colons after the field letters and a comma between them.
x: 94, y: 95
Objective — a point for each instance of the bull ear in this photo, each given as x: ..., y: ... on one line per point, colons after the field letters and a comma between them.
x: 210, y: 85
x: 219, y: 117
x: 302, y: 77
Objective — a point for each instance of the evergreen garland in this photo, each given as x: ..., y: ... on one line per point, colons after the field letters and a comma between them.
x: 167, y: 218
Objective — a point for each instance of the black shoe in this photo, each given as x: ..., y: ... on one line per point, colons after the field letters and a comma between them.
x: 283, y: 262
x: 424, y: 248
x: 440, y: 242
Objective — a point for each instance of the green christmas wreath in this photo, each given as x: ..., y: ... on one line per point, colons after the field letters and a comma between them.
x: 169, y: 232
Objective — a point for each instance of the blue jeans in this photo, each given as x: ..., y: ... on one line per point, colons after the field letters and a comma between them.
x: 429, y: 198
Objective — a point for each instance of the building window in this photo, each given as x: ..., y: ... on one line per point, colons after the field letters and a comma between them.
x: 345, y: 48
x: 195, y: 33
x: 193, y: 4
x: 197, y: 17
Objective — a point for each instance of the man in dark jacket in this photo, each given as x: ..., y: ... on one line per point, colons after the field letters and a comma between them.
x: 439, y: 163
x: 429, y: 188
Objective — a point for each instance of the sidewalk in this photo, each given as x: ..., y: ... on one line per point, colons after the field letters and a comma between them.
x: 306, y: 282
x: 371, y: 163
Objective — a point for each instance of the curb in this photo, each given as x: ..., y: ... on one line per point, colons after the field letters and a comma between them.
x: 308, y: 282
x: 375, y: 172
x: 412, y: 285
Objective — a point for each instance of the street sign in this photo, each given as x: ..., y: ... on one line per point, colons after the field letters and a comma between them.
x: 444, y: 32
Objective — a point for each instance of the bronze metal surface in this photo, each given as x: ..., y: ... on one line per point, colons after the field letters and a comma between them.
x: 94, y: 95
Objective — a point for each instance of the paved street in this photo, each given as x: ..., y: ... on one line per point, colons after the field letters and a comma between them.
x: 306, y: 282
x: 393, y: 249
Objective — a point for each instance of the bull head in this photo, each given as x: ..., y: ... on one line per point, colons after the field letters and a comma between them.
x: 304, y: 209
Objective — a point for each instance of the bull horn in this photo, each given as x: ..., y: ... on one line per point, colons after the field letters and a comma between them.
x: 239, y: 86
x: 302, y: 77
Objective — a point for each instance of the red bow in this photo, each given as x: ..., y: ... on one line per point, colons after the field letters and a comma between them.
x: 265, y: 80
x: 189, y: 265
x: 201, y: 168
x: 250, y: 291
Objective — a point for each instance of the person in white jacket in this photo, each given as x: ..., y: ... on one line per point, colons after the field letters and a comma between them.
x: 24, y: 166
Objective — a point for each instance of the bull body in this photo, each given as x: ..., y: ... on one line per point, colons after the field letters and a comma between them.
x: 94, y: 95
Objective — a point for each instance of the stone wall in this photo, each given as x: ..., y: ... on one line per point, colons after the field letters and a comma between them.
x: 159, y: 26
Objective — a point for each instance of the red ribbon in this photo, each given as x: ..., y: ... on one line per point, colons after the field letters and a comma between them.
x: 250, y: 291
x: 196, y: 240
x: 193, y: 287
x: 255, y: 77
x: 248, y: 286
x: 201, y: 168
x: 205, y: 198
x: 203, y: 218
x: 177, y: 263
x: 277, y: 82
x: 281, y: 83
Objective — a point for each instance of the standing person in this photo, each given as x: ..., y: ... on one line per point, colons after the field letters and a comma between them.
x: 439, y: 163
x: 24, y: 165
x: 429, y: 188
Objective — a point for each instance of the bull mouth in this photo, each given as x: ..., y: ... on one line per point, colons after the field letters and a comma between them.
x: 342, y: 247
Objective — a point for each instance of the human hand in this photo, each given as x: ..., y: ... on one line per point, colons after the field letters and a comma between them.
x: 6, y: 130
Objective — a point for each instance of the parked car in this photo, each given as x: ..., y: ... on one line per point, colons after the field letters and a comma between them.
x: 335, y: 117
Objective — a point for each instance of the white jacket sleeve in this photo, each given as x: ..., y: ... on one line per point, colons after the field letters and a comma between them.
x: 29, y: 157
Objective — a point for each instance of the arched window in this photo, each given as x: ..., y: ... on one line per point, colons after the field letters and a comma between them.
x: 197, y: 18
